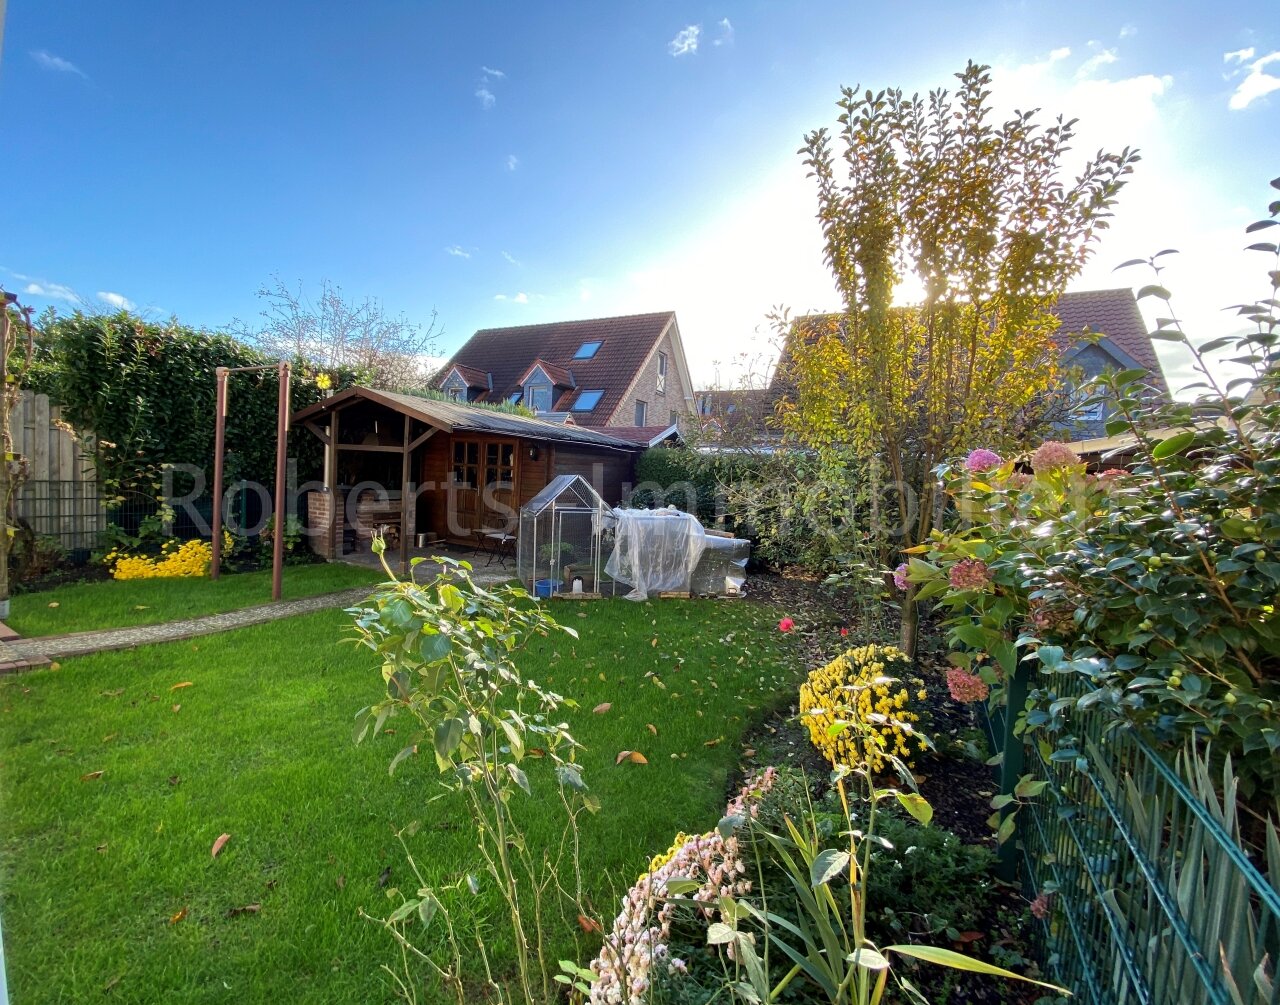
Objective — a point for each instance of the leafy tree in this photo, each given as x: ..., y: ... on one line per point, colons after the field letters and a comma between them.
x: 333, y: 334
x: 980, y: 216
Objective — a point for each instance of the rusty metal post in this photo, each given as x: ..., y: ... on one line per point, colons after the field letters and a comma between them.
x: 282, y: 452
x: 219, y: 445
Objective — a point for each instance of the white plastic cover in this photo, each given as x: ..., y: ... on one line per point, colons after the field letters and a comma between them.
x: 655, y: 550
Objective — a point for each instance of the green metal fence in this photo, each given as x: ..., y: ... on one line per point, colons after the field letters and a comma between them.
x: 1155, y: 895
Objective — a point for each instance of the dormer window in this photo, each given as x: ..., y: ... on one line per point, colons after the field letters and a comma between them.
x: 538, y: 397
x: 587, y: 350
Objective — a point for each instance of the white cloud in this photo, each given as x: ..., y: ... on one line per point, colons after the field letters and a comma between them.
x: 726, y: 33
x: 457, y: 251
x: 116, y: 300
x: 512, y: 259
x: 1097, y: 61
x: 48, y: 61
x: 519, y: 298
x: 1239, y: 55
x: 513, y: 162
x: 489, y: 73
x: 1128, y: 31
x: 52, y: 291
x: 1257, y: 83
x: 486, y: 96
x: 686, y: 41
x: 1059, y: 54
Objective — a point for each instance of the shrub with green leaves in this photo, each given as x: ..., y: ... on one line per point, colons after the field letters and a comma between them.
x: 1150, y: 593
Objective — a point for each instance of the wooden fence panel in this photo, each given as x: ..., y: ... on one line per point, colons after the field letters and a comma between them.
x: 60, y: 497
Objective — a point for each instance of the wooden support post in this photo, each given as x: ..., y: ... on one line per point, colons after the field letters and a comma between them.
x: 282, y: 458
x: 406, y: 499
x: 219, y: 445
x: 337, y: 518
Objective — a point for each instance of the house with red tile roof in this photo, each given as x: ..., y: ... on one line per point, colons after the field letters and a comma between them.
x: 621, y: 372
x: 1099, y: 330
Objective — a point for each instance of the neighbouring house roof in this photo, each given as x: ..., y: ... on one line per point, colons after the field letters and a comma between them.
x: 456, y: 417
x: 470, y: 376
x: 1112, y: 314
x: 1115, y: 315
x: 645, y: 436
x: 744, y: 411
x: 509, y: 354
x: 558, y: 375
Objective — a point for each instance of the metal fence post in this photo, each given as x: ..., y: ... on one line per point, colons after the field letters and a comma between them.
x: 1011, y: 766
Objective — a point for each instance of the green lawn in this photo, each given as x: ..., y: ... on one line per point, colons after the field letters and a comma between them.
x: 93, y: 869
x: 82, y: 607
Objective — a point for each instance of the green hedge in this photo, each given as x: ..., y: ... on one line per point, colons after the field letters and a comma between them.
x: 146, y: 390
x: 675, y: 476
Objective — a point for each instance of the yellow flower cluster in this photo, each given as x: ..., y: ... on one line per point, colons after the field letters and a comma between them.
x: 858, y: 712
x: 662, y: 858
x: 176, y: 559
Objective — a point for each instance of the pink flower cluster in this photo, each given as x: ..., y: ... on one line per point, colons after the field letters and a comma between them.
x: 900, y: 577
x: 1042, y: 906
x: 966, y: 687
x: 1051, y: 455
x: 638, y: 940
x: 969, y: 574
x: 982, y: 459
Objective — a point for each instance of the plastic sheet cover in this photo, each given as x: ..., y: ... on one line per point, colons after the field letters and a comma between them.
x: 655, y: 551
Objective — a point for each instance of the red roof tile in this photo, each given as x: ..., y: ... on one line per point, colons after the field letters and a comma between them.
x: 1115, y: 314
x: 508, y: 353
x: 473, y: 377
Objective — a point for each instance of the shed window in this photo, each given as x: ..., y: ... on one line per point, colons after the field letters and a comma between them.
x: 515, y: 397
x: 587, y: 400
x: 642, y: 412
x: 587, y: 350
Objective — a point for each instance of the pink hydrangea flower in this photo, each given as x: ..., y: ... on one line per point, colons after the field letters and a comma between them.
x: 969, y: 574
x: 982, y: 459
x: 1042, y: 906
x: 1051, y: 455
x: 786, y: 624
x: 900, y: 577
x: 966, y: 687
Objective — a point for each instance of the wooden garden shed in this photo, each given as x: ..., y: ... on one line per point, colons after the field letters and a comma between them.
x: 454, y: 471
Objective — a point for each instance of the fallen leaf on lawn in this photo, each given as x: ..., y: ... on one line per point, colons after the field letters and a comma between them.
x: 109, y: 737
x: 177, y: 708
x: 174, y: 779
x: 112, y: 694
x: 654, y: 642
x: 749, y: 752
x: 185, y: 683
x: 178, y: 917
x: 536, y: 752
x: 652, y: 728
x: 55, y: 665
x: 342, y: 882
x: 102, y: 847
x: 112, y: 983
x: 714, y: 743
x: 389, y: 732
x: 91, y: 776
x: 634, y: 756
x: 589, y: 925
x: 247, y: 909
x: 141, y: 607
x: 970, y: 936
x: 603, y: 707
x: 54, y: 603
x: 219, y: 844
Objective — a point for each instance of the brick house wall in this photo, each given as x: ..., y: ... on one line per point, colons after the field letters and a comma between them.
x: 659, y: 405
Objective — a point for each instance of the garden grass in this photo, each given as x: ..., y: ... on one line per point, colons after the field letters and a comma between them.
x: 97, y: 872
x: 82, y: 607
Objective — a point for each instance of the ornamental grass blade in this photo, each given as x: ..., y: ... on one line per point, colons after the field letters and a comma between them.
x: 958, y: 961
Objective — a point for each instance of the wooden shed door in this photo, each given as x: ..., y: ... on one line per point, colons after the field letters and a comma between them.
x: 484, y: 473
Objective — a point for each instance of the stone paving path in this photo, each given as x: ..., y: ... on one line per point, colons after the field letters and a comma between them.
x: 17, y: 654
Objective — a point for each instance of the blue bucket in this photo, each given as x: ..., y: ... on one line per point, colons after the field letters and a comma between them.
x: 545, y: 587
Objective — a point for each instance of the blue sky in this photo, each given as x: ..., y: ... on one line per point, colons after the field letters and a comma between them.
x: 511, y: 163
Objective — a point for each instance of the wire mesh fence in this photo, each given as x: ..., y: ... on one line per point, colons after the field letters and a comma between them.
x: 1151, y: 892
